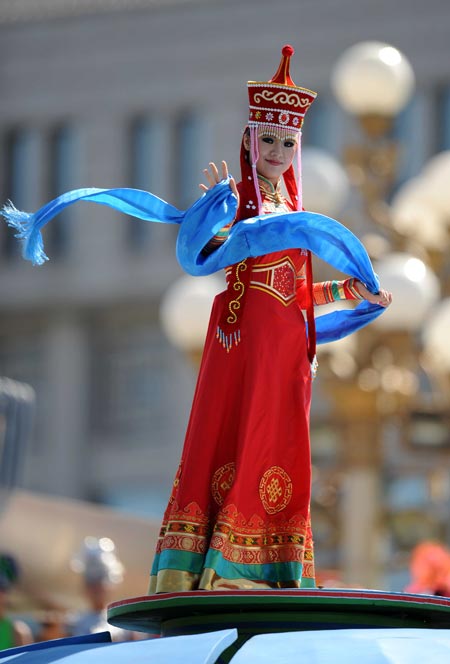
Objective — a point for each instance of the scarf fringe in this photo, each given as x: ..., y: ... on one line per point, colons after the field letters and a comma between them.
x: 135, y: 202
x: 30, y: 236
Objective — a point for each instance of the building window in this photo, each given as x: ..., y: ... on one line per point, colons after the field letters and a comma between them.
x: 443, y: 119
x: 61, y: 176
x: 143, y: 145
x: 413, y: 140
x: 129, y: 382
x: 37, y: 168
x: 145, y: 150
x: 18, y: 165
x: 21, y: 359
x: 166, y: 157
x: 191, y: 144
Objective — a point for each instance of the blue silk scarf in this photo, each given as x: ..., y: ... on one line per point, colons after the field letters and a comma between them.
x: 325, y: 237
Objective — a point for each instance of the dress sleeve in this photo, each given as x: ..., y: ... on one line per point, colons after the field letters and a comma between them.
x: 331, y: 291
x: 218, y: 239
x: 243, y: 212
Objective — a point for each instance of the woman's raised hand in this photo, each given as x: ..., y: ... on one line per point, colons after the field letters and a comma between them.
x: 213, y: 177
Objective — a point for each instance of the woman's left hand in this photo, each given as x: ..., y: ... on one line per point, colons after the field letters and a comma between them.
x: 213, y: 177
x: 383, y: 298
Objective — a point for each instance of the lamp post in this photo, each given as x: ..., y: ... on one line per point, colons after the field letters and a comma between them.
x: 421, y: 212
x: 400, y: 368
x: 373, y: 81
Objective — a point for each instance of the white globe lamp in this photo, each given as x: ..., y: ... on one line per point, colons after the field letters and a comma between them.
x: 373, y: 78
x: 436, y: 176
x: 417, y: 212
x: 325, y: 183
x: 435, y: 336
x: 415, y: 289
x: 185, y: 311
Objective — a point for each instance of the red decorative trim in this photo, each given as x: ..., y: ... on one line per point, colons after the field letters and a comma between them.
x: 316, y: 594
x: 184, y: 530
x: 257, y: 540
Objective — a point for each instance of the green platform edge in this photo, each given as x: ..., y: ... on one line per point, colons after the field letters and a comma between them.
x: 189, y: 614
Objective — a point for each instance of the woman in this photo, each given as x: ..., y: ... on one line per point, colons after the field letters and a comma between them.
x: 238, y: 515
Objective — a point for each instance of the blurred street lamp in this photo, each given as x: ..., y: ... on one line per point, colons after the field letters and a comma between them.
x: 435, y: 337
x: 421, y: 211
x: 416, y: 289
x: 373, y: 81
x: 185, y: 311
x: 325, y: 183
x: 384, y: 371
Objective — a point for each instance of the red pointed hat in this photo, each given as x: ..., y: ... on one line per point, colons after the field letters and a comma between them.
x: 279, y: 106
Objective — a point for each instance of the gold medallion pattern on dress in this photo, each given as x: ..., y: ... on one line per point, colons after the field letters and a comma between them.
x: 275, y: 489
x: 222, y: 482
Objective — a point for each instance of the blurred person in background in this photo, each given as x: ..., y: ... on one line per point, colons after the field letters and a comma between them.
x: 52, y: 625
x: 13, y: 632
x: 101, y: 570
x: 430, y: 570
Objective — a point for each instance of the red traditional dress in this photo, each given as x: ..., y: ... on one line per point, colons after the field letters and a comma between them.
x: 238, y: 515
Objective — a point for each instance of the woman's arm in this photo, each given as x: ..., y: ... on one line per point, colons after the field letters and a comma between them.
x: 213, y: 178
x: 346, y: 289
x: 331, y: 291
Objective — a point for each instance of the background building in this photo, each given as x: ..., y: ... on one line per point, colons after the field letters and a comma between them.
x: 144, y: 93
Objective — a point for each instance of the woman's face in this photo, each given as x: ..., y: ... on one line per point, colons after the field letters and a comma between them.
x: 275, y: 156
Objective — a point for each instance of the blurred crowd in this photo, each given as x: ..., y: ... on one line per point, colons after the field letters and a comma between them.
x: 100, y: 570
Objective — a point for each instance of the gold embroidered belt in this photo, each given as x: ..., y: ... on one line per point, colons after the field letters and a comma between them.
x: 277, y: 279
